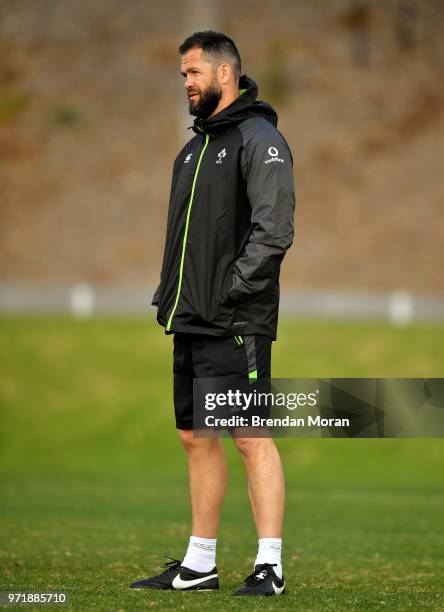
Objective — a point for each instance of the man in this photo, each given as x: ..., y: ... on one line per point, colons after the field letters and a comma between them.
x: 230, y: 222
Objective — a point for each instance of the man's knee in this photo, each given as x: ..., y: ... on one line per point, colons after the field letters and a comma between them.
x: 185, y: 435
x: 192, y: 443
x: 253, y: 446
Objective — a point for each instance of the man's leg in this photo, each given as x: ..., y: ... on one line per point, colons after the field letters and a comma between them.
x: 260, y: 455
x: 207, y: 466
x: 266, y: 487
x: 207, y: 470
x: 265, y: 484
x: 267, y: 494
x: 207, y: 478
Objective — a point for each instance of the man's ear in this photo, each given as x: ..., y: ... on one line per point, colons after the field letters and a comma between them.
x: 225, y: 72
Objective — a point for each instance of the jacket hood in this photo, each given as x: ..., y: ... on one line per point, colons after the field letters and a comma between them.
x: 243, y: 107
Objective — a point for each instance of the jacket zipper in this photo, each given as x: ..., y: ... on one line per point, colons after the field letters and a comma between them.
x: 190, y: 203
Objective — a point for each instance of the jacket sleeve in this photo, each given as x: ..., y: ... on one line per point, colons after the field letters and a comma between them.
x: 267, y: 167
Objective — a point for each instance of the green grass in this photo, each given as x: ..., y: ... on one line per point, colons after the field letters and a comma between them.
x: 93, y: 480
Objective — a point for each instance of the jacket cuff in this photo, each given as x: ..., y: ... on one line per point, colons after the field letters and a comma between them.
x: 155, y: 298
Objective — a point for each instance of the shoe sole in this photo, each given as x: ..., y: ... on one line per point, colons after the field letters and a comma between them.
x: 170, y: 589
x: 176, y: 590
x: 259, y: 594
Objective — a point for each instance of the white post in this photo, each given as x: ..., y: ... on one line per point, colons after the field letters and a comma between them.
x: 82, y: 301
x: 400, y: 308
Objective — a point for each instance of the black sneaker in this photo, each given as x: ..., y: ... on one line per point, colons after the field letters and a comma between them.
x: 263, y: 581
x: 179, y: 578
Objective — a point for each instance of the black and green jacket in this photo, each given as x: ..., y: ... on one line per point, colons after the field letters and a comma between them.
x: 230, y: 222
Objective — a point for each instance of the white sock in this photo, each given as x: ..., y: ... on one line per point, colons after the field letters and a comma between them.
x: 201, y: 554
x: 269, y: 551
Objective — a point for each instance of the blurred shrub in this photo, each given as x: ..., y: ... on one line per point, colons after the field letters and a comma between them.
x: 274, y: 82
x: 65, y: 116
x: 12, y: 103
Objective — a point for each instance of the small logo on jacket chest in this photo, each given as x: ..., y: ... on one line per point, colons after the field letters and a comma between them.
x: 188, y: 158
x: 220, y: 156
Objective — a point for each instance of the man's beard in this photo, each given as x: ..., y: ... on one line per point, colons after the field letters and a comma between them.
x: 208, y: 101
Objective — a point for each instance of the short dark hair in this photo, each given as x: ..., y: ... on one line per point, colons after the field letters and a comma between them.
x: 216, y: 47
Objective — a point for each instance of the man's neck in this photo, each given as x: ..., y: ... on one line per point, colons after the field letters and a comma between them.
x: 224, y: 102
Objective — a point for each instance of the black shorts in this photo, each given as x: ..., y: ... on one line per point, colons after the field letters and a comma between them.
x: 203, y: 356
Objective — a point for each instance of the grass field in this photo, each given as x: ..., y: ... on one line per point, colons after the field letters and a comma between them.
x: 93, y: 480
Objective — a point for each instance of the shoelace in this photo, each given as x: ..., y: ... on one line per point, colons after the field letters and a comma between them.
x: 259, y: 574
x: 174, y: 564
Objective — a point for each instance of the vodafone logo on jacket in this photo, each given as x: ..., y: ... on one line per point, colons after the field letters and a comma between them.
x: 273, y: 152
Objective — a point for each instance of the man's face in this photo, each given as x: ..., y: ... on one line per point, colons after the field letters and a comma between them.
x: 202, y: 87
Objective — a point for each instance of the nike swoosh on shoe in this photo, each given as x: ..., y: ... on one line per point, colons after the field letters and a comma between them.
x: 276, y: 589
x: 180, y: 584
